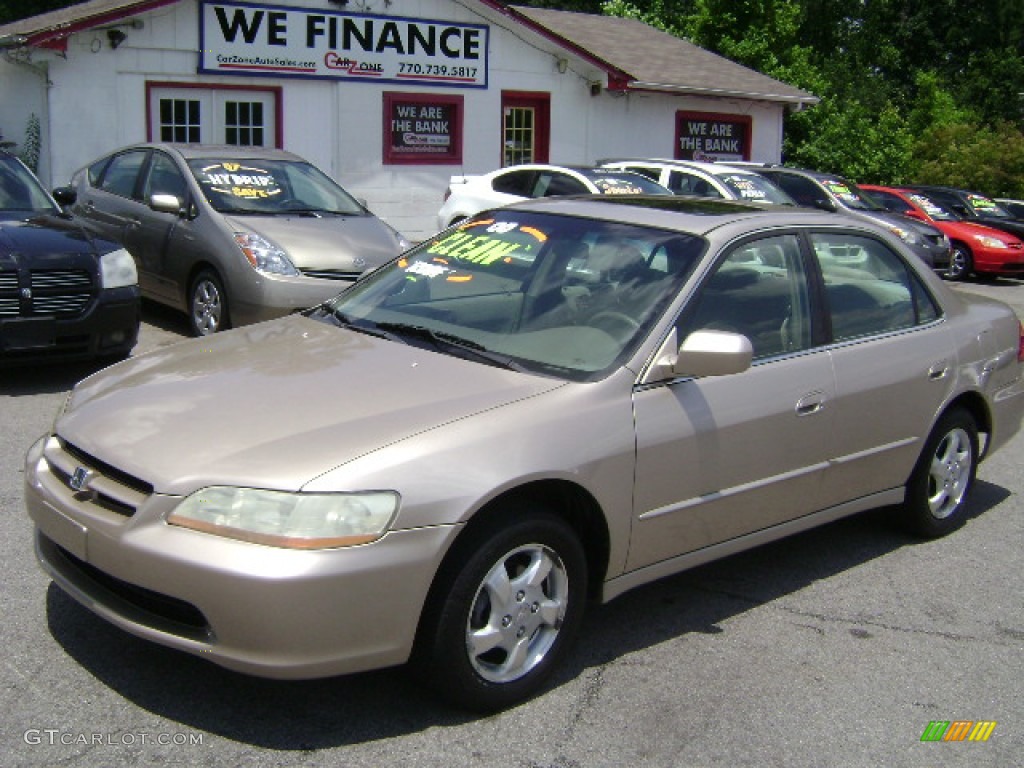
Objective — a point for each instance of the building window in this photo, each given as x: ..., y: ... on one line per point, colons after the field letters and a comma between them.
x: 243, y: 123
x: 180, y: 120
x: 525, y: 127
x: 190, y: 113
x: 520, y: 135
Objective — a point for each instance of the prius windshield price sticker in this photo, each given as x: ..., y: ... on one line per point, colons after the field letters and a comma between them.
x: 238, y: 39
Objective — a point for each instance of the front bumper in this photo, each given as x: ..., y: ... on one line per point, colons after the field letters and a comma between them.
x: 109, y: 327
x: 260, y: 610
x: 265, y: 297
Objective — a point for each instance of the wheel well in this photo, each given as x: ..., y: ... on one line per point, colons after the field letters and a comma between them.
x: 974, y: 404
x: 201, y: 266
x: 567, y: 500
x: 955, y: 241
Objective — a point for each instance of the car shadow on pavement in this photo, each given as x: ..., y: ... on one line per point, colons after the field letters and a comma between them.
x: 46, y: 377
x: 340, y: 711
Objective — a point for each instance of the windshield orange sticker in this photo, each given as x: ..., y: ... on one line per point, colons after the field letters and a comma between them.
x: 239, y: 180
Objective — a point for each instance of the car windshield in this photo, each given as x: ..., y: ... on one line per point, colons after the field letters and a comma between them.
x: 553, y: 295
x: 755, y: 189
x: 986, y: 206
x: 932, y: 208
x: 261, y: 186
x: 850, y: 195
x: 613, y: 182
x: 19, y: 190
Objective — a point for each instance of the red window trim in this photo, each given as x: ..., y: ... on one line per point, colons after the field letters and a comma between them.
x: 540, y: 100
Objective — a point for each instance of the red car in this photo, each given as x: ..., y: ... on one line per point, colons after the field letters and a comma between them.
x: 976, y: 248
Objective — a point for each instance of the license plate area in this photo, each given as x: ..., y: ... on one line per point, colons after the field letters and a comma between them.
x: 28, y: 333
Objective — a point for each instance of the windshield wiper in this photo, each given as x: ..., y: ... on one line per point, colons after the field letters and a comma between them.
x: 341, y: 320
x: 448, y: 342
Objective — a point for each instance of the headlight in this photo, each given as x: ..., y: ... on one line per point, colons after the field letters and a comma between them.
x: 117, y: 269
x: 264, y: 255
x: 291, y: 520
x: 906, y: 235
x: 990, y: 242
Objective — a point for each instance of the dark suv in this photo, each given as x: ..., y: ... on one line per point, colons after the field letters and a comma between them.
x: 64, y: 294
x: 826, y: 191
x: 975, y: 207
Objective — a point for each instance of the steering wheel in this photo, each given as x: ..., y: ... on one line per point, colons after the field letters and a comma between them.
x: 617, y: 324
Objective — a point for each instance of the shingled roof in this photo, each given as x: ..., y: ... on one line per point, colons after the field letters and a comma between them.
x: 650, y: 59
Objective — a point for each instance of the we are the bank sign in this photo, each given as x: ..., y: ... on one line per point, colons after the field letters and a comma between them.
x: 243, y: 38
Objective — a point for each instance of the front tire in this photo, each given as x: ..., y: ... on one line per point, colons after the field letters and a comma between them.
x: 936, y: 500
x: 207, y: 304
x: 961, y: 263
x: 503, y: 611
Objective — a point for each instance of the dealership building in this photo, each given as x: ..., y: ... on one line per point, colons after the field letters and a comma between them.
x: 390, y: 97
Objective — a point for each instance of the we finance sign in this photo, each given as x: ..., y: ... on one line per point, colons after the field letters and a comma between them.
x: 242, y: 38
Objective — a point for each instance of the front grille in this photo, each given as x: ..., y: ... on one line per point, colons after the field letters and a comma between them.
x: 61, y: 279
x: 330, y: 274
x: 163, y: 607
x: 61, y: 293
x: 107, y: 487
x: 10, y: 295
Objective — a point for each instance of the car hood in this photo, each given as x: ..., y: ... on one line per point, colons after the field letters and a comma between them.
x: 905, y: 222
x: 274, y: 405
x: 1014, y: 227
x: 976, y: 229
x: 43, y: 235
x: 326, y: 241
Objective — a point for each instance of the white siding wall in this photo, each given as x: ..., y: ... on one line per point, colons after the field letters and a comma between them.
x: 97, y: 103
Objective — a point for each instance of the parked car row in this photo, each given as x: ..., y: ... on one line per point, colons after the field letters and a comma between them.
x: 761, y: 184
x: 467, y: 195
x: 234, y: 235
x: 976, y: 248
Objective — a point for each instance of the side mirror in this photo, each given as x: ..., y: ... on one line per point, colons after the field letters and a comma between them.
x: 702, y: 353
x: 65, y: 196
x: 825, y: 205
x: 166, y: 204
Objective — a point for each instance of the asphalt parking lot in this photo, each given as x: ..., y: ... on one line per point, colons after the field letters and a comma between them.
x: 837, y: 647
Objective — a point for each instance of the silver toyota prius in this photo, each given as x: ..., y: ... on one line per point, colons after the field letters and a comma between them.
x: 230, y: 235
x: 547, y: 404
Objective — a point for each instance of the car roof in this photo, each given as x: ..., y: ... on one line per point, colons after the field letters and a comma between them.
x: 190, y: 151
x: 807, y: 172
x: 715, y: 169
x: 685, y: 214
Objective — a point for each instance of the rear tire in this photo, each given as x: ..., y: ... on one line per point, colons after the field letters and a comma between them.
x: 936, y: 499
x: 503, y: 611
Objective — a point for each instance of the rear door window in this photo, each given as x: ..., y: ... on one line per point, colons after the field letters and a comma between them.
x: 869, y: 289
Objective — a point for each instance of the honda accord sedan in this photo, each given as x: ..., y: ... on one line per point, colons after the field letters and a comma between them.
x: 230, y: 235
x: 549, y: 404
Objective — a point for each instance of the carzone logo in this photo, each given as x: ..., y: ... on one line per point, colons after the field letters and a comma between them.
x: 958, y: 730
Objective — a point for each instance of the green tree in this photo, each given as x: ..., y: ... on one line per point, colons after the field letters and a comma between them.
x: 13, y: 10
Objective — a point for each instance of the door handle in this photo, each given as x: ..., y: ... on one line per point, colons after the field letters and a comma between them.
x: 811, y: 403
x: 938, y: 370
